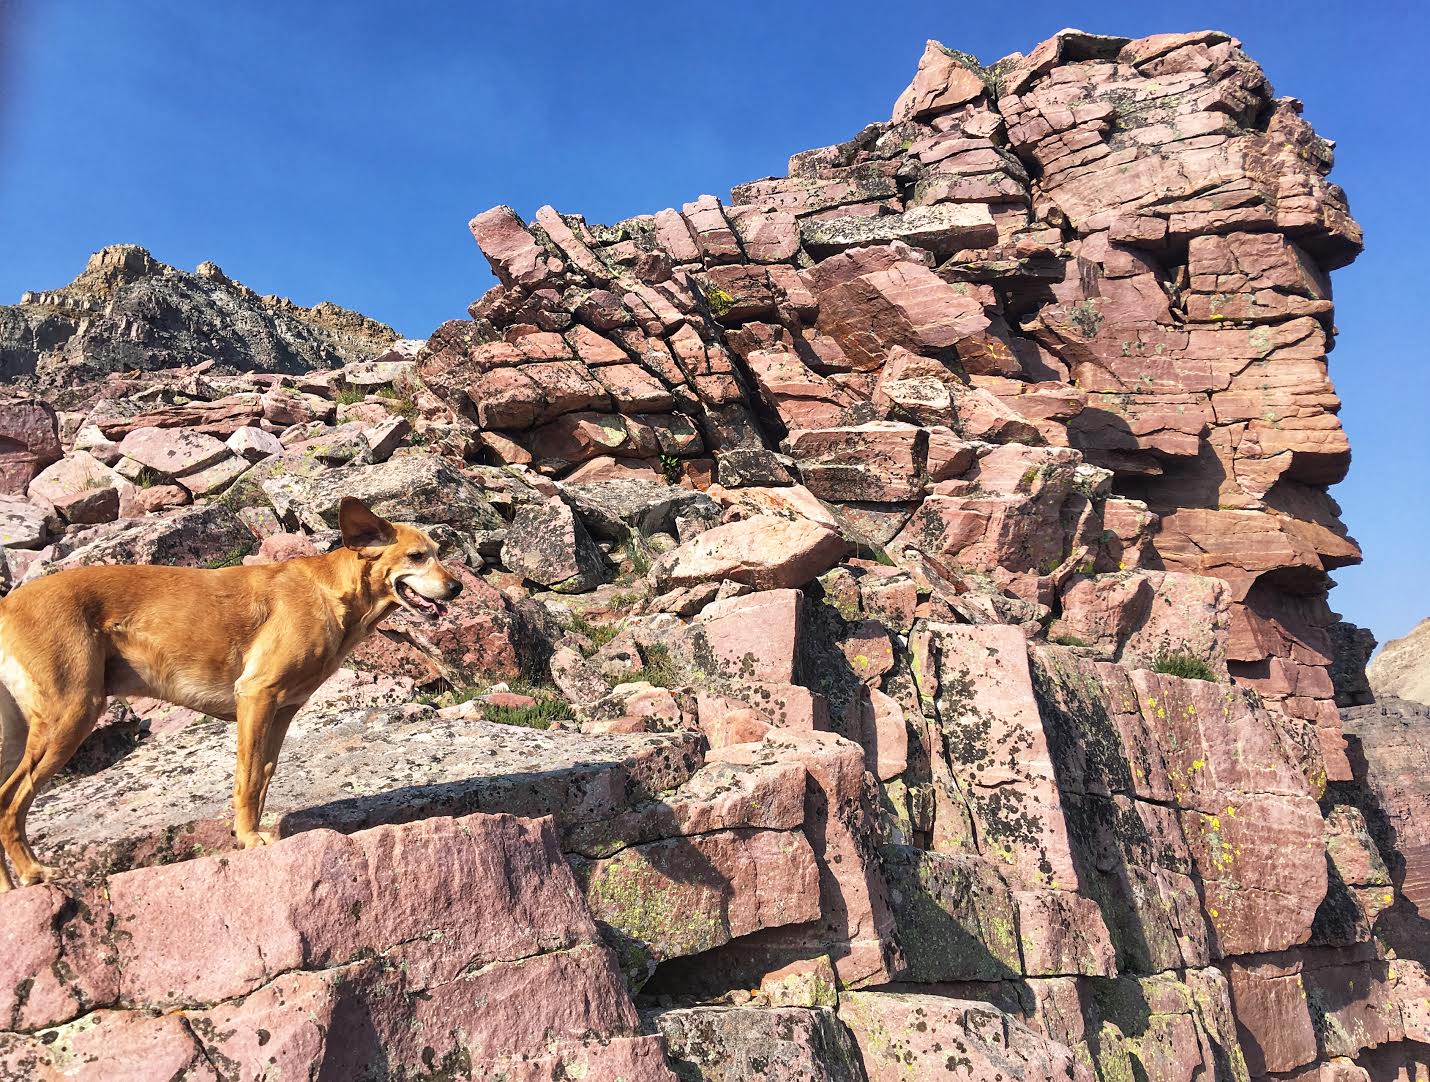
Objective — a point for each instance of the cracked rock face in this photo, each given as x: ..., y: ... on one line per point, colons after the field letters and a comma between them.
x: 918, y: 564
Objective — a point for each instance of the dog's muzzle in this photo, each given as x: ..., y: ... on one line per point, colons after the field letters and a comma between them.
x: 420, y: 605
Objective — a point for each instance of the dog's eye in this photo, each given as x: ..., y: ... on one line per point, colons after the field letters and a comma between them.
x: 417, y: 557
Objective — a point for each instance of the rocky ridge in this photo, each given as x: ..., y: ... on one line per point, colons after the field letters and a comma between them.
x: 127, y: 311
x: 919, y: 566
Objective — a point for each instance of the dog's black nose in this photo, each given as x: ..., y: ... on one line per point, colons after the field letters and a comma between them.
x: 454, y: 587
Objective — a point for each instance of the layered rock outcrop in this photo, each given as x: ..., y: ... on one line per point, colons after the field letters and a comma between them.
x: 919, y: 568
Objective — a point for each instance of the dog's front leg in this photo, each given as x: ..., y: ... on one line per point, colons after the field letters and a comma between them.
x: 277, y: 730
x: 256, y: 709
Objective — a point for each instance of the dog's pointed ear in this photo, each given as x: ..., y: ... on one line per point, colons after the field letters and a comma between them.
x: 361, y: 528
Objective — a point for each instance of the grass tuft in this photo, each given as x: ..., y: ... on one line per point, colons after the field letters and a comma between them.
x: 401, y: 404
x: 539, y: 716
x: 660, y: 669
x: 1184, y: 665
x: 638, y: 553
x: 548, y: 707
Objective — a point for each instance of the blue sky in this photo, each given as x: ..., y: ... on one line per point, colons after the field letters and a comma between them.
x: 336, y: 150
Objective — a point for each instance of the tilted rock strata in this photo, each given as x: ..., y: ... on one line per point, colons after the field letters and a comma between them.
x: 1116, y: 247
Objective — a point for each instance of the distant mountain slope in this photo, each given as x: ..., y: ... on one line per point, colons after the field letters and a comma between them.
x: 1402, y: 669
x: 129, y: 311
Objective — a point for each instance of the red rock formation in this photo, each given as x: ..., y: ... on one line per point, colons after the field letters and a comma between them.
x: 987, y: 675
x: 1143, y: 221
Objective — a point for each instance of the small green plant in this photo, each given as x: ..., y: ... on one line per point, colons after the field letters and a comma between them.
x: 537, y: 686
x: 1085, y: 317
x: 1187, y: 666
x: 1067, y: 640
x: 148, y: 477
x: 660, y: 668
x: 720, y: 301
x: 549, y: 705
x: 448, y: 696
x: 399, y: 403
x: 598, y: 634
x: 1049, y: 564
x: 638, y: 553
x: 350, y: 396
x: 230, y: 557
x: 670, y: 466
x: 876, y: 553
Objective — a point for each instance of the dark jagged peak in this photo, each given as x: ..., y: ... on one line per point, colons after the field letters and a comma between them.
x: 129, y: 311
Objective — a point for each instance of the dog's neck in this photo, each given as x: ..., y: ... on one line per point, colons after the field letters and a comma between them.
x: 360, y: 595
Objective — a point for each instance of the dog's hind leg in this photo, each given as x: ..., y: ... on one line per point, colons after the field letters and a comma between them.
x: 61, y: 692
x: 53, y: 739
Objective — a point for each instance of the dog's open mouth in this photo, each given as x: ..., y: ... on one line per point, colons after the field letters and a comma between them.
x: 422, y: 607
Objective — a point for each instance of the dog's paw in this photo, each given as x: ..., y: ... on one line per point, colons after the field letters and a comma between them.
x: 253, y: 839
x: 40, y: 873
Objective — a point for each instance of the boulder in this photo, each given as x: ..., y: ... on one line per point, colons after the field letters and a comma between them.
x: 944, y: 228
x: 956, y: 917
x: 978, y: 682
x: 943, y: 82
x: 682, y: 896
x: 81, y: 488
x: 755, y: 637
x: 418, y: 488
x: 29, y: 441
x: 1142, y: 616
x: 206, y: 536
x: 882, y: 461
x: 548, y: 545
x: 348, y: 769
x: 515, y: 256
x: 950, y: 1039
x: 169, y: 452
x: 871, y: 300
x: 612, y: 509
x: 23, y: 525
x: 254, y: 444
x: 764, y: 551
x: 1388, y: 735
x: 783, y: 1044
x: 293, y: 981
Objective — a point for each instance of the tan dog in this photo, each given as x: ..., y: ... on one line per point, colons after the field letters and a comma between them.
x: 241, y: 643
